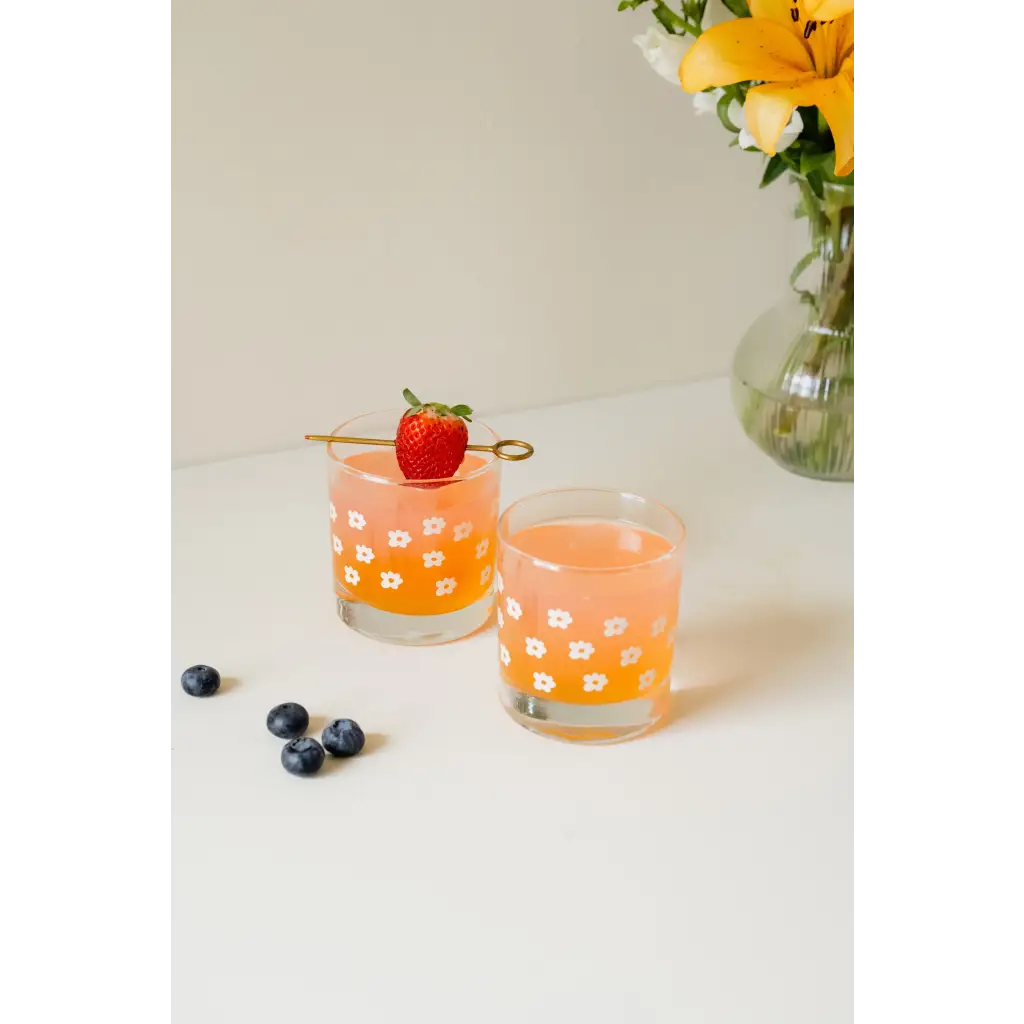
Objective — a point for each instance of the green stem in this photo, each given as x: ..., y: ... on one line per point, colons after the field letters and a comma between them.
x: 669, y: 18
x: 674, y: 22
x: 802, y: 414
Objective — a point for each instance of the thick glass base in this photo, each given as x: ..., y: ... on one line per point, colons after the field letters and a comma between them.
x: 415, y: 630
x: 587, y: 723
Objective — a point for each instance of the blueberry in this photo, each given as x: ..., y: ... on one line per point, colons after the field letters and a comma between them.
x: 302, y: 757
x: 343, y: 738
x: 288, y: 720
x: 200, y: 681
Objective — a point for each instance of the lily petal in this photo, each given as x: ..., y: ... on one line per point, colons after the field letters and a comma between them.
x: 781, y: 11
x: 835, y: 101
x: 830, y: 43
x: 789, y: 134
x: 825, y: 10
x: 769, y: 108
x: 742, y: 50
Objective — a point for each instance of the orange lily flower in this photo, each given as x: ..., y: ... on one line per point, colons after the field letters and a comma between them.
x: 802, y: 60
x: 825, y: 10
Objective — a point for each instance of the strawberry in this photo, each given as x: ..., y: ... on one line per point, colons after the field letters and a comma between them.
x: 431, y: 439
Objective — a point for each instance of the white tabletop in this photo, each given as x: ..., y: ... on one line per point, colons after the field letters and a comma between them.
x: 466, y: 869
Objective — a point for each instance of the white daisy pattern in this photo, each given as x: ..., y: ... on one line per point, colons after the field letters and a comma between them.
x: 338, y: 548
x: 542, y: 681
x: 595, y: 682
x: 557, y: 619
x: 513, y: 608
x: 535, y: 648
x: 630, y: 656
x: 580, y: 650
x: 501, y: 620
x: 334, y: 512
x: 481, y: 548
x: 646, y: 678
x: 501, y: 583
x: 446, y: 586
x: 398, y: 538
x: 658, y: 625
x: 505, y: 656
x: 463, y: 530
x: 615, y: 626
x: 351, y: 574
x: 432, y: 527
x: 390, y: 580
x: 356, y: 519
x: 432, y: 558
x: 485, y: 576
x: 364, y: 554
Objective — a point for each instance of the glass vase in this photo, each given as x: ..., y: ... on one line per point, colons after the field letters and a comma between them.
x: 792, y: 375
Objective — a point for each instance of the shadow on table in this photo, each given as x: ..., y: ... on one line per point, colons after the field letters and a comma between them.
x: 759, y: 652
x: 227, y: 684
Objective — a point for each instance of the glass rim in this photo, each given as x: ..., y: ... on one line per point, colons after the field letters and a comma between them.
x: 490, y: 459
x: 675, y: 546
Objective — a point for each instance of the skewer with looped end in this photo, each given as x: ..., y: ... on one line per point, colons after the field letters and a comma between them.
x: 498, y: 449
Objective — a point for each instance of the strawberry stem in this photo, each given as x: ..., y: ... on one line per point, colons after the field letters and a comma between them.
x: 459, y: 410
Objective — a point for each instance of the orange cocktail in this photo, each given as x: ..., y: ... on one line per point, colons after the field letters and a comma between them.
x: 413, y: 560
x: 588, y: 586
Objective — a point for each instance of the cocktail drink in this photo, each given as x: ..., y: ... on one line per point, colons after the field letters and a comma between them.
x: 413, y: 559
x: 588, y: 590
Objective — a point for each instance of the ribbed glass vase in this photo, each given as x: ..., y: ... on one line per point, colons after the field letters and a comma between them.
x: 792, y: 375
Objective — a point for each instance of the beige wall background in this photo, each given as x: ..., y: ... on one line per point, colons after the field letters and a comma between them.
x: 498, y: 204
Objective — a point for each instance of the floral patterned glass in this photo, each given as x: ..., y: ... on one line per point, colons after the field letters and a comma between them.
x: 588, y: 591
x: 413, y: 560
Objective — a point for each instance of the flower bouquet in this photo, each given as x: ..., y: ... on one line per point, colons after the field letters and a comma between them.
x: 779, y: 76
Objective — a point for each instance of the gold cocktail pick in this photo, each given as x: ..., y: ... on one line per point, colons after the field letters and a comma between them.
x: 498, y: 449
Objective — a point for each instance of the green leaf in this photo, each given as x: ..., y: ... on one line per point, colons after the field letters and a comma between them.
x: 811, y: 161
x: 809, y: 116
x: 630, y: 5
x: 828, y: 174
x: 723, y: 112
x: 411, y: 398
x: 669, y: 19
x: 738, y: 7
x: 789, y: 158
x: 801, y: 267
x: 464, y: 411
x: 817, y: 187
x: 774, y: 170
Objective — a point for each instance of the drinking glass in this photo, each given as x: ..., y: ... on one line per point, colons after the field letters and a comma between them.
x: 588, y: 591
x: 413, y: 559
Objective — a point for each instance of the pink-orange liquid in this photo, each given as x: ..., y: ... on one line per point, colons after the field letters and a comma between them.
x: 407, y: 549
x: 597, y: 629
x: 591, y: 544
